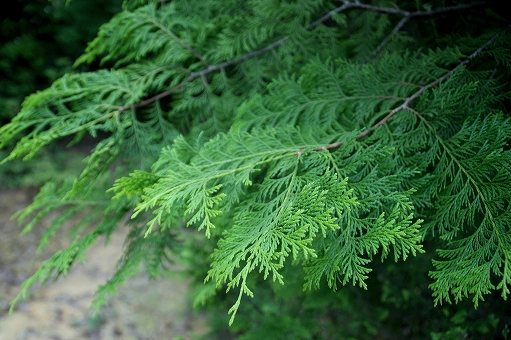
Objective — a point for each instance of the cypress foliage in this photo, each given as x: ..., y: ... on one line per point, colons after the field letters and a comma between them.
x: 307, y: 141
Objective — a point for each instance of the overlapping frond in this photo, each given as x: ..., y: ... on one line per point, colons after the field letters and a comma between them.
x: 473, y: 174
x: 227, y: 162
x: 150, y: 30
x: 299, y: 199
x: 291, y: 137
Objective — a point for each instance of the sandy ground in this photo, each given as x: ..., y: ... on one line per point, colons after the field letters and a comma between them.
x: 142, y: 309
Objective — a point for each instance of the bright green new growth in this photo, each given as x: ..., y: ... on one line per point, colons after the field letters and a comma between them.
x: 277, y: 135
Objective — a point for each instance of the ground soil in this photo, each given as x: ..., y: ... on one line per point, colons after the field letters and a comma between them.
x: 142, y: 309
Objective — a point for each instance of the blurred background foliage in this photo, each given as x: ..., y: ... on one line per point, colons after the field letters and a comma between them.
x: 39, y: 42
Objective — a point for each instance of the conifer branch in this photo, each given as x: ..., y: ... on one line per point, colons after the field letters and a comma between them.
x: 277, y: 43
x: 181, y: 43
x: 409, y: 100
x: 238, y: 60
x: 256, y: 164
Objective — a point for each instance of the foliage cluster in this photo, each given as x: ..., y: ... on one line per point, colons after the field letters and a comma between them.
x: 310, y: 146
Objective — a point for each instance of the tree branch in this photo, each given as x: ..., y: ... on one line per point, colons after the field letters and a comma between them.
x: 277, y: 43
x: 171, y: 34
x: 216, y: 67
x: 410, y: 99
x: 406, y: 15
x: 385, y: 41
x: 329, y: 15
x: 399, y: 11
x: 205, y: 71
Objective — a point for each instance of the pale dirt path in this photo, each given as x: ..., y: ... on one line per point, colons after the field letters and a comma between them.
x: 142, y: 309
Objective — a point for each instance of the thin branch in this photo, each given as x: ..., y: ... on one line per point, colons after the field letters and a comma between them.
x: 373, y: 8
x: 205, y: 82
x: 329, y: 15
x: 405, y: 17
x: 238, y: 60
x: 494, y: 72
x: 409, y: 100
x: 385, y: 41
x: 276, y: 44
x: 202, y: 73
x: 399, y: 11
x: 184, y: 45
